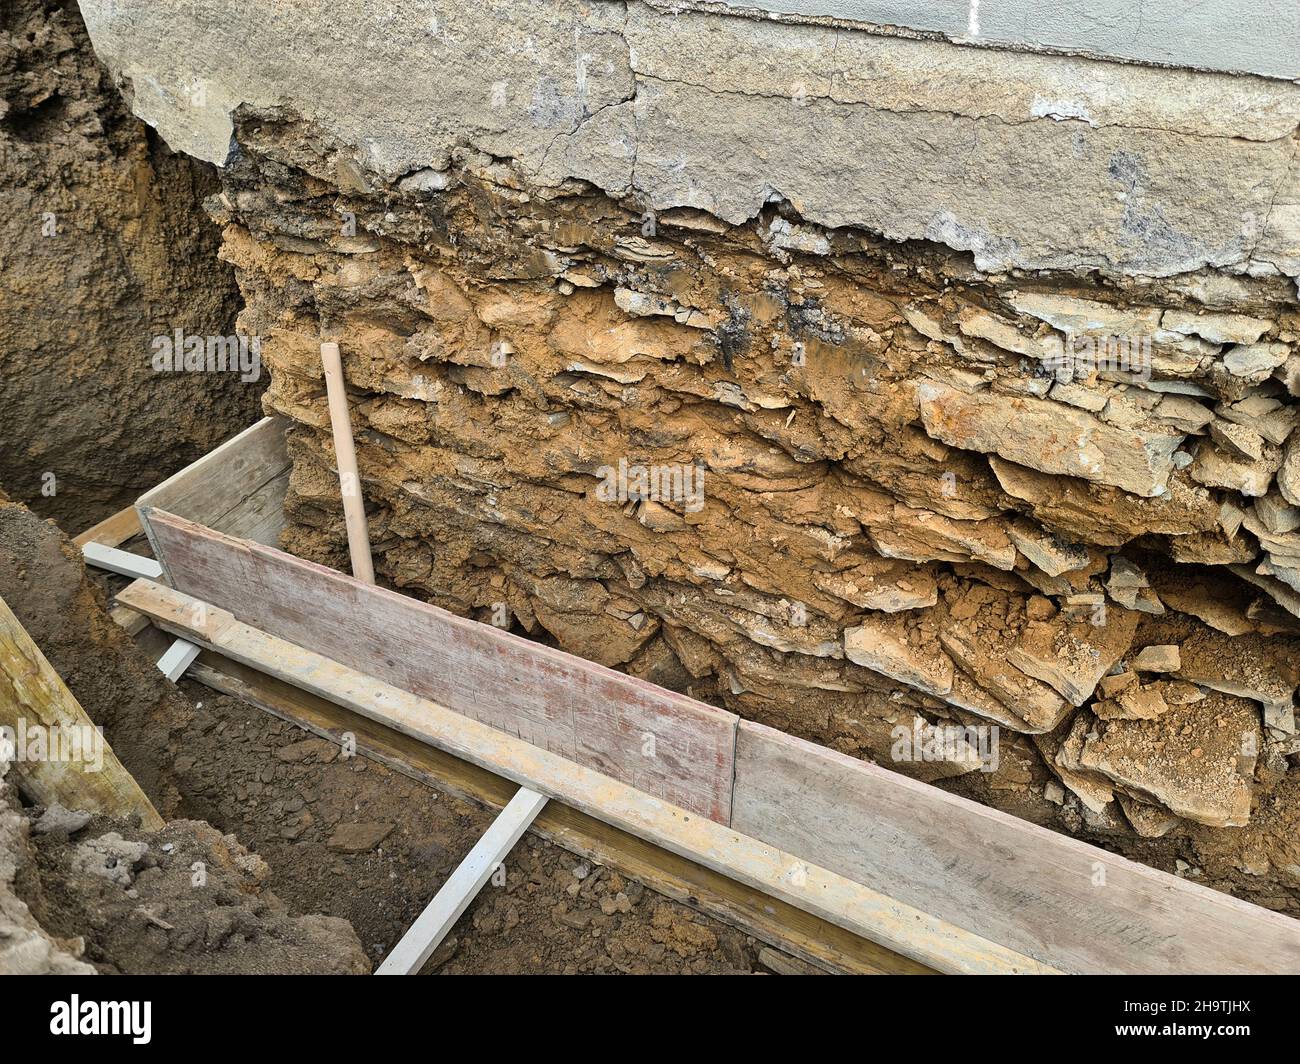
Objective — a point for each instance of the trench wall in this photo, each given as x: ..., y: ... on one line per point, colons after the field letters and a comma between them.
x: 873, y: 388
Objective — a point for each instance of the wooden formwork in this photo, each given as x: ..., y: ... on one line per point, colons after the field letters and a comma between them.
x: 873, y: 870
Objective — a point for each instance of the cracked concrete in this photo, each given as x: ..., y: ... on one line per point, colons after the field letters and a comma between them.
x: 844, y: 275
x: 1025, y: 160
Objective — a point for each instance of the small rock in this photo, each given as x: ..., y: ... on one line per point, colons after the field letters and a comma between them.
x: 1163, y: 658
x: 298, y: 752
x: 358, y: 838
x: 1250, y: 360
x: 109, y: 856
x: 57, y: 819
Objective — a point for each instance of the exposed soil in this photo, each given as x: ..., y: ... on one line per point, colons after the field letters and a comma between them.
x: 291, y: 798
x: 184, y: 900
x: 853, y: 565
x: 504, y: 347
x: 104, y: 245
x: 347, y: 838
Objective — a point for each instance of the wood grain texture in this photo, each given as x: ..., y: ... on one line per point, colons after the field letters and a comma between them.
x: 768, y: 919
x: 663, y: 743
x: 112, y: 531
x: 1054, y: 898
x: 238, y: 488
x: 900, y: 927
x: 84, y: 773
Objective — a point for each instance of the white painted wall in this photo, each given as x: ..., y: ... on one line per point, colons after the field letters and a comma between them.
x: 1253, y: 36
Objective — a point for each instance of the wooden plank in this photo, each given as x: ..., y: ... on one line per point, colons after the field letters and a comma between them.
x: 224, y: 489
x: 790, y: 878
x: 58, y: 753
x: 131, y: 622
x: 1060, y: 900
x: 177, y: 658
x: 260, y: 517
x: 660, y: 742
x: 121, y: 562
x: 775, y: 922
x: 463, y: 885
x: 112, y: 531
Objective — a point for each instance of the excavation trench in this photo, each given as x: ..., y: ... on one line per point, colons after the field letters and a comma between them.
x: 109, y: 253
x: 267, y: 822
x: 1018, y: 516
x: 1025, y: 538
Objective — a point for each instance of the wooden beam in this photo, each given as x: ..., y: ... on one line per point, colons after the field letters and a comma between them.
x: 121, y: 562
x: 128, y: 620
x: 658, y: 741
x: 462, y: 887
x: 112, y: 531
x: 790, y: 878
x: 177, y: 658
x: 73, y: 765
x: 775, y: 922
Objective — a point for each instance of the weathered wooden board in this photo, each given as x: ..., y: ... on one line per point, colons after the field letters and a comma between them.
x: 900, y: 927
x: 768, y: 919
x: 260, y: 517
x: 237, y: 488
x: 1057, y: 899
x: 112, y: 531
x: 663, y: 743
x: 58, y: 753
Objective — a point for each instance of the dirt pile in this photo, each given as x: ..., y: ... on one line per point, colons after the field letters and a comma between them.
x: 183, y: 900
x: 45, y: 583
x: 833, y: 483
x: 75, y: 891
x: 25, y: 947
x: 104, y: 246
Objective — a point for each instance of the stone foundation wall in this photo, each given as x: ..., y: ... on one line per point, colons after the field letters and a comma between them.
x: 698, y: 419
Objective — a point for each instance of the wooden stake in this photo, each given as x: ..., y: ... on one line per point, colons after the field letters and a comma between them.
x: 73, y: 765
x: 354, y: 507
x: 177, y: 658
